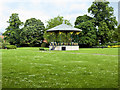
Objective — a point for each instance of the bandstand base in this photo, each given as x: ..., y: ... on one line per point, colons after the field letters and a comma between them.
x: 63, y: 47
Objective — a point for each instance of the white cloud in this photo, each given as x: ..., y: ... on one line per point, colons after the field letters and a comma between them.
x: 23, y: 15
x: 1, y: 8
x: 65, y: 8
x: 79, y: 6
x: 53, y: 1
x: 72, y: 17
x: 2, y: 16
x: 26, y: 14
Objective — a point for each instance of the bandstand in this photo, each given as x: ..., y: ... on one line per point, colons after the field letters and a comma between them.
x: 63, y: 28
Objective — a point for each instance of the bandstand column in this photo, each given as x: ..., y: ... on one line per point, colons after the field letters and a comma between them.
x: 71, y: 37
x: 60, y: 37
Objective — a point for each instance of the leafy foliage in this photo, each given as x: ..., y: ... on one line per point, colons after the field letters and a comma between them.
x: 56, y: 37
x: 3, y: 44
x: 116, y: 33
x: 99, y: 28
x: 64, y: 37
x: 51, y: 37
x: 12, y: 33
x: 1, y: 39
x: 88, y: 34
x: 81, y: 19
x: 11, y: 47
x: 32, y: 32
x: 104, y: 19
x: 56, y: 21
x: 43, y: 44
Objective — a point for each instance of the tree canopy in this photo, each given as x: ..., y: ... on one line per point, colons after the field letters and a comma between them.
x: 32, y: 32
x: 56, y: 21
x: 88, y: 34
x: 12, y: 33
x: 104, y: 19
x: 81, y: 19
x: 98, y: 28
x: 116, y: 33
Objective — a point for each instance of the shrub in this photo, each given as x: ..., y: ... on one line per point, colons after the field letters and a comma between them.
x: 109, y: 46
x: 3, y: 44
x: 0, y: 44
x: 115, y: 46
x: 118, y: 43
x: 43, y: 44
x: 11, y: 47
x: 100, y: 46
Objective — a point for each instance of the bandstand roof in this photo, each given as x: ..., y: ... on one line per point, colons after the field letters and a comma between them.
x: 64, y: 27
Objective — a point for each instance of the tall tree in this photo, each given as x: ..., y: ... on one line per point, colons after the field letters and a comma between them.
x: 12, y: 33
x: 81, y: 19
x: 104, y: 19
x: 88, y: 35
x: 116, y: 33
x: 32, y: 32
x: 56, y: 21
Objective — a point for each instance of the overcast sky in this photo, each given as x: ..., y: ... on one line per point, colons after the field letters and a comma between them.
x: 46, y: 9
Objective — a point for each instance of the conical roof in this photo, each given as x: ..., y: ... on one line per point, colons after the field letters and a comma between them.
x: 64, y: 27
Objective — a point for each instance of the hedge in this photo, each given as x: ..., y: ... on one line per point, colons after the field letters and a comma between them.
x: 43, y: 44
x: 11, y: 47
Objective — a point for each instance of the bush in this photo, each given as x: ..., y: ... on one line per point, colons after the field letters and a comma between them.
x: 100, y: 46
x: 115, y: 46
x: 11, y: 47
x: 118, y: 43
x: 0, y: 45
x: 112, y: 44
x: 43, y: 45
x: 3, y: 44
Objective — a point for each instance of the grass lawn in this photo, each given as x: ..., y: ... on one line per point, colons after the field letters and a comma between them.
x: 86, y: 68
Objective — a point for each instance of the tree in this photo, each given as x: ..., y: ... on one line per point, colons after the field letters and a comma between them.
x: 32, y: 32
x: 88, y: 35
x: 116, y: 33
x: 104, y: 20
x: 56, y: 21
x: 12, y: 33
x: 81, y: 19
x: 50, y: 37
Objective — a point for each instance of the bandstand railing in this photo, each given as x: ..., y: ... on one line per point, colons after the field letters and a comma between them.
x: 65, y: 44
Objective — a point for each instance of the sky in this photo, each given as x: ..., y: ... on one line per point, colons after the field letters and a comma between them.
x: 46, y: 9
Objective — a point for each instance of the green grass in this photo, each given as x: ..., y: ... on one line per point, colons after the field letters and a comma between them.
x: 86, y: 68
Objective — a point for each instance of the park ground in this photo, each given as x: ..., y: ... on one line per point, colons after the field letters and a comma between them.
x: 87, y: 68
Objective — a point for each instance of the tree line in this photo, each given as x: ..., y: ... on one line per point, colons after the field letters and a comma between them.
x: 99, y: 28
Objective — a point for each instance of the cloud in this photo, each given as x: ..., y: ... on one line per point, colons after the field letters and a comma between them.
x: 72, y: 17
x: 79, y: 6
x: 24, y: 14
x: 42, y: 9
